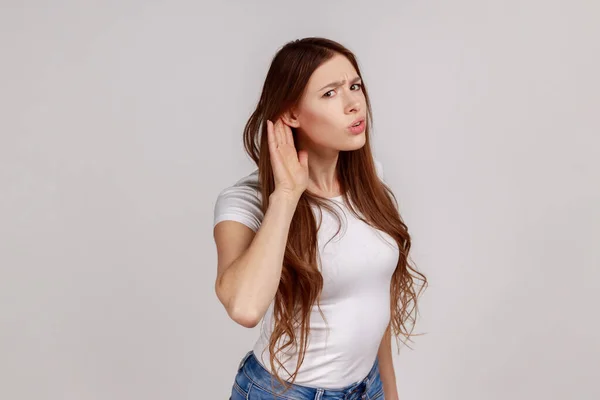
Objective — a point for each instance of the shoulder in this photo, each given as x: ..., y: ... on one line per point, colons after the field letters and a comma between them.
x: 241, y: 202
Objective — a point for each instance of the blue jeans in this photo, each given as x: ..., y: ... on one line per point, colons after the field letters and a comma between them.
x: 254, y: 382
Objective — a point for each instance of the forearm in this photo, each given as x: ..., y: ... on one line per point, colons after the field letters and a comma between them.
x: 386, y: 367
x: 251, y: 282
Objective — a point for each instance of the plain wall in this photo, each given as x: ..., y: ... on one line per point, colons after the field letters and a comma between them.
x: 122, y: 121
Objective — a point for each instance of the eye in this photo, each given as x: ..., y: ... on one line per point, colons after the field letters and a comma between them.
x: 356, y: 84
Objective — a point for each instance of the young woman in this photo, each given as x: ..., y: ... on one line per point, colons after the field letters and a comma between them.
x: 311, y: 243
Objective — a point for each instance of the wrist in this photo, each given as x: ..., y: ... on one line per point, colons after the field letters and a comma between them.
x: 285, y: 197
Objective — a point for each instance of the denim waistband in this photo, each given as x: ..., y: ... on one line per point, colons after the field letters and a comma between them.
x: 263, y: 378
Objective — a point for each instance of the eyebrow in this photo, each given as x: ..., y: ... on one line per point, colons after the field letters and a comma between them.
x: 340, y: 83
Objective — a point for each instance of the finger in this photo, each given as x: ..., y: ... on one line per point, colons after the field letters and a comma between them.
x: 284, y: 132
x: 275, y: 133
x: 289, y: 138
x: 273, y: 151
x: 270, y: 135
x: 272, y: 139
x: 280, y: 133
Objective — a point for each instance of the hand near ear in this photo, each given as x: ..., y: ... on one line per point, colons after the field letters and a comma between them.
x: 290, y: 168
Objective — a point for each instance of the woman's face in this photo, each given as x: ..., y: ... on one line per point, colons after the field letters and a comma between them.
x: 332, y: 100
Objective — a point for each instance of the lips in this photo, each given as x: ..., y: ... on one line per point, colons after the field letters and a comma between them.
x: 356, y: 122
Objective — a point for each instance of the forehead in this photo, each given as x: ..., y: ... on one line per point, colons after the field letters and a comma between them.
x: 335, y: 69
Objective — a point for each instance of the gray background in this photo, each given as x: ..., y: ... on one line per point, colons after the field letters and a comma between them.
x: 122, y: 120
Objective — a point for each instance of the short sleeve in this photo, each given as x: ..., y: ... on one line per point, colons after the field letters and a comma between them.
x: 240, y: 202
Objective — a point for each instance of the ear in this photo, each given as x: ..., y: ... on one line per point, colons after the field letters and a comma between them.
x: 290, y: 118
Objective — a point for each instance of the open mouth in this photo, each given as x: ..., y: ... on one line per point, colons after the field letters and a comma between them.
x: 358, y: 127
x: 362, y: 120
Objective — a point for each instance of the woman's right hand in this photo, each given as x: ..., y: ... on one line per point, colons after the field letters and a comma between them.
x: 290, y: 168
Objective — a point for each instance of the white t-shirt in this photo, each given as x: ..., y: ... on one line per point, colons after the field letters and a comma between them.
x: 357, y: 267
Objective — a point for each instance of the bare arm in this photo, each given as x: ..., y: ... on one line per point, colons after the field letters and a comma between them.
x: 248, y: 285
x: 386, y: 366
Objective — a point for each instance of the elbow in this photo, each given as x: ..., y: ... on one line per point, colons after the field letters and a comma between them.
x: 239, y: 314
x: 243, y: 317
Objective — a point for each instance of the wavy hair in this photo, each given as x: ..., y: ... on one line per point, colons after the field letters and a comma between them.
x: 301, y: 281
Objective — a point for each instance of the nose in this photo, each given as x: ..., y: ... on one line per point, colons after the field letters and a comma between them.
x: 353, y: 105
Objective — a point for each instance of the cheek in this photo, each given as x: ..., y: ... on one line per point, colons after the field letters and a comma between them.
x: 319, y: 118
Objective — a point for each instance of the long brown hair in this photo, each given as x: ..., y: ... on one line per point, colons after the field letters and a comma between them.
x: 301, y: 281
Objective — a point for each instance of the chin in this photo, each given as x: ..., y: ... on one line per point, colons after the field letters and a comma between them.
x: 355, y: 143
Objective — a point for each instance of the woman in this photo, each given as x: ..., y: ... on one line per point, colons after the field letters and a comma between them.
x: 329, y: 293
